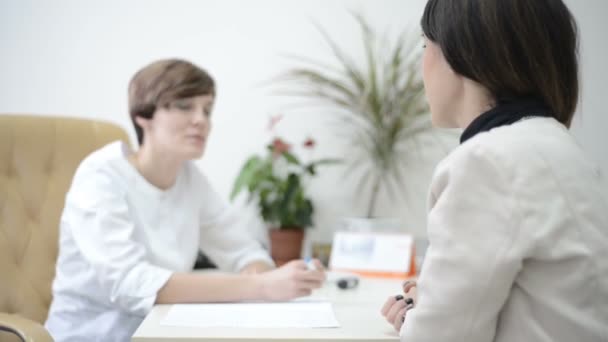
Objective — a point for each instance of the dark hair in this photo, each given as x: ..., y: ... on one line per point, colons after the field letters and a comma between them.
x: 514, y: 48
x: 161, y: 82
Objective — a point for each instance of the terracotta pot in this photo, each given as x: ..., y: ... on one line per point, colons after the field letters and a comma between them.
x: 286, y: 244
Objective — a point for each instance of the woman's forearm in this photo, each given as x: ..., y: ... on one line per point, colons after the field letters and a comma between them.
x: 257, y: 267
x: 210, y: 287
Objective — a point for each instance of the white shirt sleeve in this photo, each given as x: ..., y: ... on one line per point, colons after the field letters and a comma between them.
x: 223, y: 238
x: 474, y: 255
x: 98, y: 218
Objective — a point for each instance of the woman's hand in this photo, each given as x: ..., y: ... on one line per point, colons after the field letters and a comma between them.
x: 395, y: 308
x: 256, y: 267
x: 292, y: 280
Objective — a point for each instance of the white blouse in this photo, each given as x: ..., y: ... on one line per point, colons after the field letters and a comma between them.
x: 121, y: 238
x: 518, y: 231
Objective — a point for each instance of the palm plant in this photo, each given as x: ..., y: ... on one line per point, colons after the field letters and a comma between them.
x: 379, y: 102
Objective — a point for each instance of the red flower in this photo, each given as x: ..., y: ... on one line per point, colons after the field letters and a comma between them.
x: 279, y: 147
x: 274, y: 120
x: 309, y: 143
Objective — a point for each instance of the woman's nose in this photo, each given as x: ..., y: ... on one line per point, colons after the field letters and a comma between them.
x: 200, y: 117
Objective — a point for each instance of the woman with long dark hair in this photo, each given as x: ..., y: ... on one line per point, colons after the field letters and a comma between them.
x: 517, y: 222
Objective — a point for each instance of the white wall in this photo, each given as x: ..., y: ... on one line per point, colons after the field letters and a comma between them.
x: 75, y: 58
x: 591, y: 122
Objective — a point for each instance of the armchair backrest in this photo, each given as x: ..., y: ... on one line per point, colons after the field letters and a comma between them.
x: 38, y: 158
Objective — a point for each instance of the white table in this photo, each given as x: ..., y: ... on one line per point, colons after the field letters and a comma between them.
x: 357, y: 311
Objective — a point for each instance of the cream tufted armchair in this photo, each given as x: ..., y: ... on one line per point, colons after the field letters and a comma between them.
x: 38, y: 157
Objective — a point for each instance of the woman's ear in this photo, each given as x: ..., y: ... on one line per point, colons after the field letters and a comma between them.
x: 142, y: 122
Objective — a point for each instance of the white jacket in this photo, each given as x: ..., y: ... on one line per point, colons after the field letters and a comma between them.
x: 518, y: 231
x: 121, y: 238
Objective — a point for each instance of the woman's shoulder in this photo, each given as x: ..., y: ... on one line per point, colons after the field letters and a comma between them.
x: 530, y: 151
x: 530, y: 142
x: 526, y: 135
x: 107, y: 162
x: 110, y: 151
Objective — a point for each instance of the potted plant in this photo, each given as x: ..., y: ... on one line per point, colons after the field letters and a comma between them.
x: 276, y: 183
x: 378, y: 104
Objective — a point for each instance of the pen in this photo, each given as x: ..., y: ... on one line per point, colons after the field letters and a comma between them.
x: 309, y: 264
x: 346, y: 282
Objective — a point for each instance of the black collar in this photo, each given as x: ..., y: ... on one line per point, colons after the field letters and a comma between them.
x: 505, y: 113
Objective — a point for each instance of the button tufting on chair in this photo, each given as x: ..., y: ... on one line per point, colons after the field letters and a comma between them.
x: 38, y: 158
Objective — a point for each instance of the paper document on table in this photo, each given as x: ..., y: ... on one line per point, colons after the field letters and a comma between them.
x: 306, y: 314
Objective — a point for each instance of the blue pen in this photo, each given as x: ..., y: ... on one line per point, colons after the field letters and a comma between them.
x: 309, y: 264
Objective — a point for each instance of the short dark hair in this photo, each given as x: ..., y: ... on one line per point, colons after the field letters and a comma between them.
x: 161, y: 82
x: 514, y: 48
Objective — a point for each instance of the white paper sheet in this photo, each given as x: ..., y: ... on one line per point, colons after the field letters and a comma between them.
x: 299, y: 314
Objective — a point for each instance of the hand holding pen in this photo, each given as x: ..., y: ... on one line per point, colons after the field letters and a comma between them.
x: 343, y: 281
x: 396, y: 307
x: 296, y: 278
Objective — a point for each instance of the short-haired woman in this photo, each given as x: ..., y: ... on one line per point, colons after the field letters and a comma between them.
x: 134, y: 221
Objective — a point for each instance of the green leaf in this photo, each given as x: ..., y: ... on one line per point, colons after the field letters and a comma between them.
x: 246, y: 176
x: 304, y: 214
x: 353, y: 74
x: 310, y: 168
x: 332, y: 89
x: 291, y: 158
x: 328, y: 161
